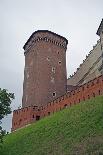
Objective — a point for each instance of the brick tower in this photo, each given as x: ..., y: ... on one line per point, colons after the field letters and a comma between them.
x: 45, y: 68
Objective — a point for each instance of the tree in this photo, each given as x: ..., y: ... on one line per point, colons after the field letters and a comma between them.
x: 5, y: 109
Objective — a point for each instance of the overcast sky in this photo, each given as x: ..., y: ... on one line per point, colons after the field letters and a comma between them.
x: 77, y: 20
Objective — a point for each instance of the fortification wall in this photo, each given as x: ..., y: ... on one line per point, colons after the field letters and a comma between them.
x: 89, y: 69
x: 28, y: 115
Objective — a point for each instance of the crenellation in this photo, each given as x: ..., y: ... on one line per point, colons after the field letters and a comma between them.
x: 93, y: 58
x: 46, y: 38
x: 86, y: 59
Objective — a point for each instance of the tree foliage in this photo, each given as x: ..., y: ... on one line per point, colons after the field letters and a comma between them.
x: 5, y: 109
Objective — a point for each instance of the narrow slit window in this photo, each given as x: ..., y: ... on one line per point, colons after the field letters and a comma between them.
x: 54, y: 94
x: 48, y: 59
x: 53, y: 69
x: 59, y: 62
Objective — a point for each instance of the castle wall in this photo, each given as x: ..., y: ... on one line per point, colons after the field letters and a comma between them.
x: 28, y: 115
x: 89, y: 69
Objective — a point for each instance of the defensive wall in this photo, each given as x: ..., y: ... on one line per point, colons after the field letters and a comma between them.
x: 92, y: 66
x: 89, y: 69
x: 28, y: 115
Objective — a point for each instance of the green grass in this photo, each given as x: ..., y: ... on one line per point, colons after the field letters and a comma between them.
x: 74, y: 131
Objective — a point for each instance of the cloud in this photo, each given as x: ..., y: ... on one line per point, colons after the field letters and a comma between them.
x: 77, y: 20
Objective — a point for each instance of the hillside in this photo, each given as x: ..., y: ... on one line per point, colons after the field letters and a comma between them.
x: 73, y: 131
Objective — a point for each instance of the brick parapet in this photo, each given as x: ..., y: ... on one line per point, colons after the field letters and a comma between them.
x: 28, y: 115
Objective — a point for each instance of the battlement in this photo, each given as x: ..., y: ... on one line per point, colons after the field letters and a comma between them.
x: 28, y: 115
x: 46, y: 36
x: 89, y: 69
x: 86, y: 59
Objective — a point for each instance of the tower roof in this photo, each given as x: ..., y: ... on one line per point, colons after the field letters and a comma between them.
x: 100, y: 28
x: 44, y: 32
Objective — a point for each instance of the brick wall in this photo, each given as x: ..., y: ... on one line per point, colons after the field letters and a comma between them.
x: 28, y: 115
x: 45, y: 68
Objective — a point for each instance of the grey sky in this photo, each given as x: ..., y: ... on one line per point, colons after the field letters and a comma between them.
x: 77, y: 20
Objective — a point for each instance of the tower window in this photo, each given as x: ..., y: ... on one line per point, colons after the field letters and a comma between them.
x: 59, y: 62
x: 54, y: 94
x: 53, y: 69
x: 48, y: 59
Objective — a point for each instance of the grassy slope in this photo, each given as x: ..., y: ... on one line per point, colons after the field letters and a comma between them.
x: 74, y: 131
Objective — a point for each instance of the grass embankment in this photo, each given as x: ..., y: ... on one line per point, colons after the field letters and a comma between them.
x: 74, y: 131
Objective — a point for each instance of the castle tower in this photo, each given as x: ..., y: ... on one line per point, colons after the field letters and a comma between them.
x: 45, y: 68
